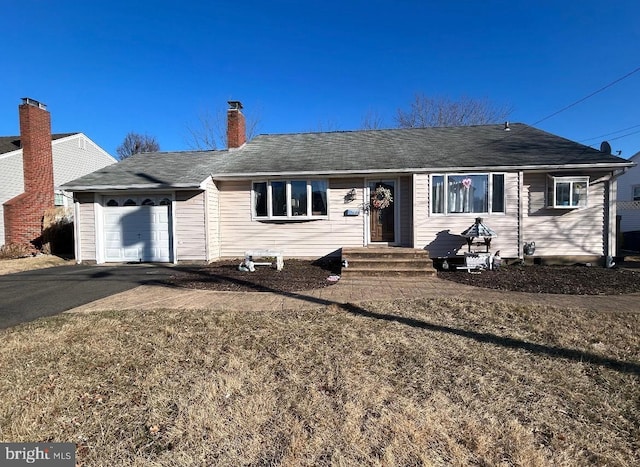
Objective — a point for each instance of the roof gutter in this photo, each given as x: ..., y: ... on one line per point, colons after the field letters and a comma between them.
x: 500, y: 168
x: 177, y: 186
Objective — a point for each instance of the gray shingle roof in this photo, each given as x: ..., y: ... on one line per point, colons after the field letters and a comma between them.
x: 12, y: 143
x: 186, y: 169
x: 416, y: 149
x: 353, y: 152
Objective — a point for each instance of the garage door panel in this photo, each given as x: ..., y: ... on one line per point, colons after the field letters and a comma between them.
x: 134, y: 233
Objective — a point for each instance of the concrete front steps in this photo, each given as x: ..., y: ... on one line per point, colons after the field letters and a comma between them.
x: 386, y: 262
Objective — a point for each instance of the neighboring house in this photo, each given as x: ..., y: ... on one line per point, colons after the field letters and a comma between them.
x: 33, y: 165
x: 629, y: 205
x: 306, y: 194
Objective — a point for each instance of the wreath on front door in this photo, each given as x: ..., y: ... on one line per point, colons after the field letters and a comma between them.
x: 381, y: 198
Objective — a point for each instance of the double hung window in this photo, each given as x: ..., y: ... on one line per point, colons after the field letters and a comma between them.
x: 290, y: 199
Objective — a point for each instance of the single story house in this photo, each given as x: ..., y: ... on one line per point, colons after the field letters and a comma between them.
x: 33, y: 165
x: 310, y: 195
x: 629, y: 205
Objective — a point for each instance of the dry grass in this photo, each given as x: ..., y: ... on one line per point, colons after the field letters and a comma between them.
x: 426, y: 382
x: 10, y: 266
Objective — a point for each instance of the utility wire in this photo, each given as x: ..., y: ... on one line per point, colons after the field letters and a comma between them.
x: 612, y: 133
x: 624, y: 136
x: 587, y: 97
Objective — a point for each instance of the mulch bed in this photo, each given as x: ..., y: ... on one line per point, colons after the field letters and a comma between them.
x: 572, y: 280
x: 299, y: 275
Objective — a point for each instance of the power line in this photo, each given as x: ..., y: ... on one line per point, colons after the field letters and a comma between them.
x: 624, y: 136
x: 587, y: 97
x: 612, y: 133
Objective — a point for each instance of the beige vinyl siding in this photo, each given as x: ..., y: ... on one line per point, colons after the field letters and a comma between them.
x: 309, y: 238
x: 440, y: 234
x: 563, y: 232
x: 87, y: 225
x: 406, y: 212
x: 190, y: 226
x: 213, y: 220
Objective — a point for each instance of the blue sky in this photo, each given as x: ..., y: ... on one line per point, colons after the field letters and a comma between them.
x: 106, y: 68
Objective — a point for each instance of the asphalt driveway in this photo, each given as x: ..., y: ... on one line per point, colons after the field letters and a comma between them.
x: 30, y: 295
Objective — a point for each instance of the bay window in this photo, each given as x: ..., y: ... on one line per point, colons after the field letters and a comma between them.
x: 467, y: 193
x: 289, y: 199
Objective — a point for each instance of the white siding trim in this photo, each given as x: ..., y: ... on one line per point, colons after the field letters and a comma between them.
x: 366, y: 228
x: 414, y: 209
x: 173, y: 247
x: 397, y: 202
x: 207, y: 234
x: 77, y: 244
x: 99, y: 221
x: 613, y: 194
x: 521, y: 208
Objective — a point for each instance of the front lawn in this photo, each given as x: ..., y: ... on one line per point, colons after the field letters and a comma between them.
x: 406, y: 382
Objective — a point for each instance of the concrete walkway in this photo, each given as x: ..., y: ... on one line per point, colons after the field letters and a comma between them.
x: 148, y: 297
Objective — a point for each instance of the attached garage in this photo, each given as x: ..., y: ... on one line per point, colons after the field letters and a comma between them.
x: 137, y: 228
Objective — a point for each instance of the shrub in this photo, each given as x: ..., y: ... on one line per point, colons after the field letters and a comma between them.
x: 57, y: 234
x: 16, y: 250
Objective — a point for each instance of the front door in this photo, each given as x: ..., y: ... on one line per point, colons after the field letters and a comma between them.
x: 381, y: 214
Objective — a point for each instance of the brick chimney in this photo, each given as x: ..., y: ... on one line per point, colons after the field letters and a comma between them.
x: 23, y: 214
x: 236, y: 125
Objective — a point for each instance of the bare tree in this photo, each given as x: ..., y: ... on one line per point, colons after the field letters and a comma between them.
x: 210, y: 130
x: 326, y: 126
x: 427, y: 111
x: 372, y: 120
x: 135, y: 143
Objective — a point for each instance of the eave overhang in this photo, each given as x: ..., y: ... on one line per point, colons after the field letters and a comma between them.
x: 427, y: 170
x: 91, y: 188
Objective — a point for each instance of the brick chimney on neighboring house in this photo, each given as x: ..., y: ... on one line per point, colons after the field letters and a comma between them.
x: 236, y: 125
x: 23, y: 214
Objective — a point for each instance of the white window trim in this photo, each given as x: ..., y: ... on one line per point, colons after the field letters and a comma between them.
x: 552, y: 182
x: 633, y: 193
x: 288, y: 216
x: 466, y: 214
x: 60, y: 194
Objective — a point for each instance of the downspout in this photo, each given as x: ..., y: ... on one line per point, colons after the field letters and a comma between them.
x: 99, y: 225
x: 207, y: 233
x: 366, y: 214
x: 174, y: 239
x: 520, y: 213
x: 77, y: 248
x: 218, y: 219
x: 611, y: 224
x: 612, y: 234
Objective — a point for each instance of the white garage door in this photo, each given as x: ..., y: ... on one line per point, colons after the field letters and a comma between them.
x: 137, y: 229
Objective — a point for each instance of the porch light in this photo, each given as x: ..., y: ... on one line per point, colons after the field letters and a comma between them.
x: 350, y: 196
